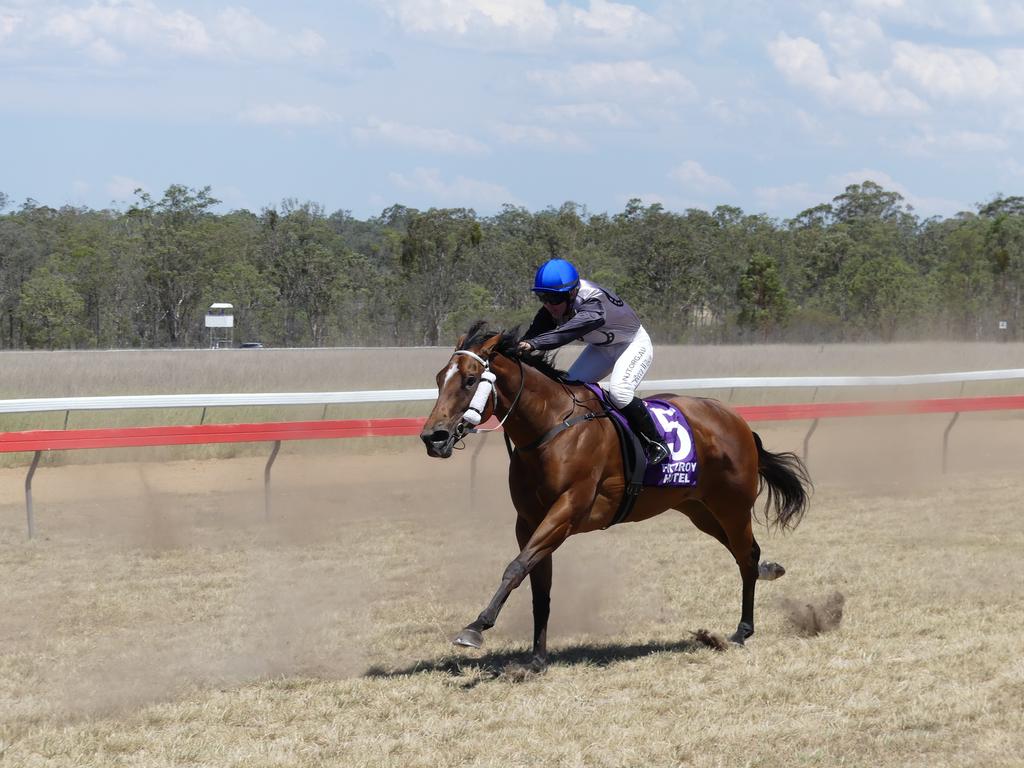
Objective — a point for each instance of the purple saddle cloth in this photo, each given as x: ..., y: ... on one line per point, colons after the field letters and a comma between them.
x: 680, y: 468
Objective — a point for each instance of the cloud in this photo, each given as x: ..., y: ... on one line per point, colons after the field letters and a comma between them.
x: 535, y: 135
x: 622, y: 79
x: 505, y: 23
x: 240, y: 33
x: 417, y: 137
x: 463, y: 192
x: 985, y: 18
x: 691, y: 175
x: 287, y: 114
x: 8, y: 23
x: 527, y: 25
x: 928, y: 142
x: 850, y: 34
x: 803, y: 63
x: 109, y: 30
x: 103, y: 52
x: 613, y: 26
x: 961, y: 73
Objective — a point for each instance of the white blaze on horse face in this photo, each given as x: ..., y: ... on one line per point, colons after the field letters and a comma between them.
x: 452, y: 370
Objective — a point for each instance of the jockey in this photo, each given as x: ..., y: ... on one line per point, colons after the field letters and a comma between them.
x: 617, y: 343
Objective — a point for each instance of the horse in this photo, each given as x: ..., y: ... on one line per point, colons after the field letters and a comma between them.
x: 566, y: 473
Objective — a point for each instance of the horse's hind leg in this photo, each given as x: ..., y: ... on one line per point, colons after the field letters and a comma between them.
x: 737, y: 535
x: 540, y: 586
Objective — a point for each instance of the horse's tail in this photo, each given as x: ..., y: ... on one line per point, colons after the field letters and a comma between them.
x: 789, y: 485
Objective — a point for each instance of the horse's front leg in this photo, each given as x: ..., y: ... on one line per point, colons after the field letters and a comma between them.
x: 539, y: 545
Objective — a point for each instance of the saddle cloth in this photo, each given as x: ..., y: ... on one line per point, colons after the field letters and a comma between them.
x: 680, y: 468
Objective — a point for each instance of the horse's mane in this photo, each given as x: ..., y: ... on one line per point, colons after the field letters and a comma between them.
x: 508, y: 346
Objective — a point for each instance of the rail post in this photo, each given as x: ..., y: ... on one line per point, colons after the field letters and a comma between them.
x: 807, y: 437
x: 266, y: 479
x: 945, y: 440
x: 29, y: 511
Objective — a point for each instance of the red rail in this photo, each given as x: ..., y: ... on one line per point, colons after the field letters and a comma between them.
x: 132, y: 437
x: 886, y: 408
x: 41, y: 440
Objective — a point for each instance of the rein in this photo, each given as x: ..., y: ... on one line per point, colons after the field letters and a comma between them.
x: 561, y: 427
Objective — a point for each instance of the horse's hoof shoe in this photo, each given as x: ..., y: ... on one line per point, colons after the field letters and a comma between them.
x: 770, y: 571
x: 469, y: 638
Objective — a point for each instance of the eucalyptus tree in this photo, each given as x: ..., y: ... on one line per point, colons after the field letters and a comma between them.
x: 437, y: 249
x: 306, y: 263
x: 763, y: 303
x: 1004, y: 247
x: 173, y: 249
x: 50, y: 310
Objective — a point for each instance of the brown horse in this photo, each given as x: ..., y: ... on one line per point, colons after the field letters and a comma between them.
x: 572, y: 481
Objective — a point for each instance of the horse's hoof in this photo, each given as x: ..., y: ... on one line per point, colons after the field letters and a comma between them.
x: 742, y: 633
x: 770, y: 571
x: 469, y: 638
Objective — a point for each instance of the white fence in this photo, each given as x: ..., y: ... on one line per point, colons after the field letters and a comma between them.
x: 118, y: 402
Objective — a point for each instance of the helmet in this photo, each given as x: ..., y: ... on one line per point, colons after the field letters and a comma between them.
x: 556, y: 276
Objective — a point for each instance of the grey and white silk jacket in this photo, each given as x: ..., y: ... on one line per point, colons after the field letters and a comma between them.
x: 597, y: 317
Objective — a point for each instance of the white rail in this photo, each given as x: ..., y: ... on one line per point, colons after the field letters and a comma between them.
x: 119, y: 402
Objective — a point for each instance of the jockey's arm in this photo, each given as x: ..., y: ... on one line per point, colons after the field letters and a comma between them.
x: 542, y: 323
x: 588, y: 317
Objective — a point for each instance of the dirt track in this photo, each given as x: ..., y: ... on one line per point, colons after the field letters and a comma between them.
x: 101, y: 522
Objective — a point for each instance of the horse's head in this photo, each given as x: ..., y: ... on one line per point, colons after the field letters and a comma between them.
x: 464, y: 393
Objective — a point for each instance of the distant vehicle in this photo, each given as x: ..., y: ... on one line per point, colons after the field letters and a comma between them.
x: 251, y: 345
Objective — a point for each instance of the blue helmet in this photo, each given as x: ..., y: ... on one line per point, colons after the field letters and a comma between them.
x: 556, y: 276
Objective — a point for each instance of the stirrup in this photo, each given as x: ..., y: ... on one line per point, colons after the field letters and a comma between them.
x: 656, y: 452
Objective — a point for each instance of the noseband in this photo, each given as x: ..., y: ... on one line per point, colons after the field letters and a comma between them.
x: 485, y: 389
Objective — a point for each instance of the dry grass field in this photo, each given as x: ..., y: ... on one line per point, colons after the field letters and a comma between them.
x: 157, y: 620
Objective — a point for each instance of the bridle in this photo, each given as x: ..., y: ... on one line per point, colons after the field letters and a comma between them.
x: 485, y: 389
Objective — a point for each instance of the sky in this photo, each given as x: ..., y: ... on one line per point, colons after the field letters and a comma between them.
x: 773, y: 107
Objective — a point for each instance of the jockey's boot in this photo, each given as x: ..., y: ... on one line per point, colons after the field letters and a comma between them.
x: 640, y: 421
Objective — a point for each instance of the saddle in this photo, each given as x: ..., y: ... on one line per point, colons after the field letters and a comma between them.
x: 634, y: 457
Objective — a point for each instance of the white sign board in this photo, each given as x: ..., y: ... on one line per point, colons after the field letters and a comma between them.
x: 1002, y: 325
x: 220, y: 321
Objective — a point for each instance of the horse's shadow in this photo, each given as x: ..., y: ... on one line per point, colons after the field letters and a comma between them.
x: 514, y: 664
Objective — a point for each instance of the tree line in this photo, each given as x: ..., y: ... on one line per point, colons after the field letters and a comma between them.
x: 861, y: 267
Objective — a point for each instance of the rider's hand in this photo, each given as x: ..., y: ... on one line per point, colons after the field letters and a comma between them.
x: 525, y: 347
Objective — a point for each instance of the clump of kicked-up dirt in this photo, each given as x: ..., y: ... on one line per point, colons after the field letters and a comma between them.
x: 814, y: 617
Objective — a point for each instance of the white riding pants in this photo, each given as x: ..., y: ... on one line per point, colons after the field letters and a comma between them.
x: 627, y: 363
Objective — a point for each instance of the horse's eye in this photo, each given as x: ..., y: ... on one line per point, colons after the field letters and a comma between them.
x: 470, y: 381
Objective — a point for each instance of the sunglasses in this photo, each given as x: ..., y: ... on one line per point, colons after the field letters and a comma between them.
x: 551, y: 297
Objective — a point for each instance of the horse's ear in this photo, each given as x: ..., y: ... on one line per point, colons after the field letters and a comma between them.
x: 460, y: 342
x: 489, y: 346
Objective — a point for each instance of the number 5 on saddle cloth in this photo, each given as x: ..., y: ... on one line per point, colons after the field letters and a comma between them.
x: 678, y: 470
